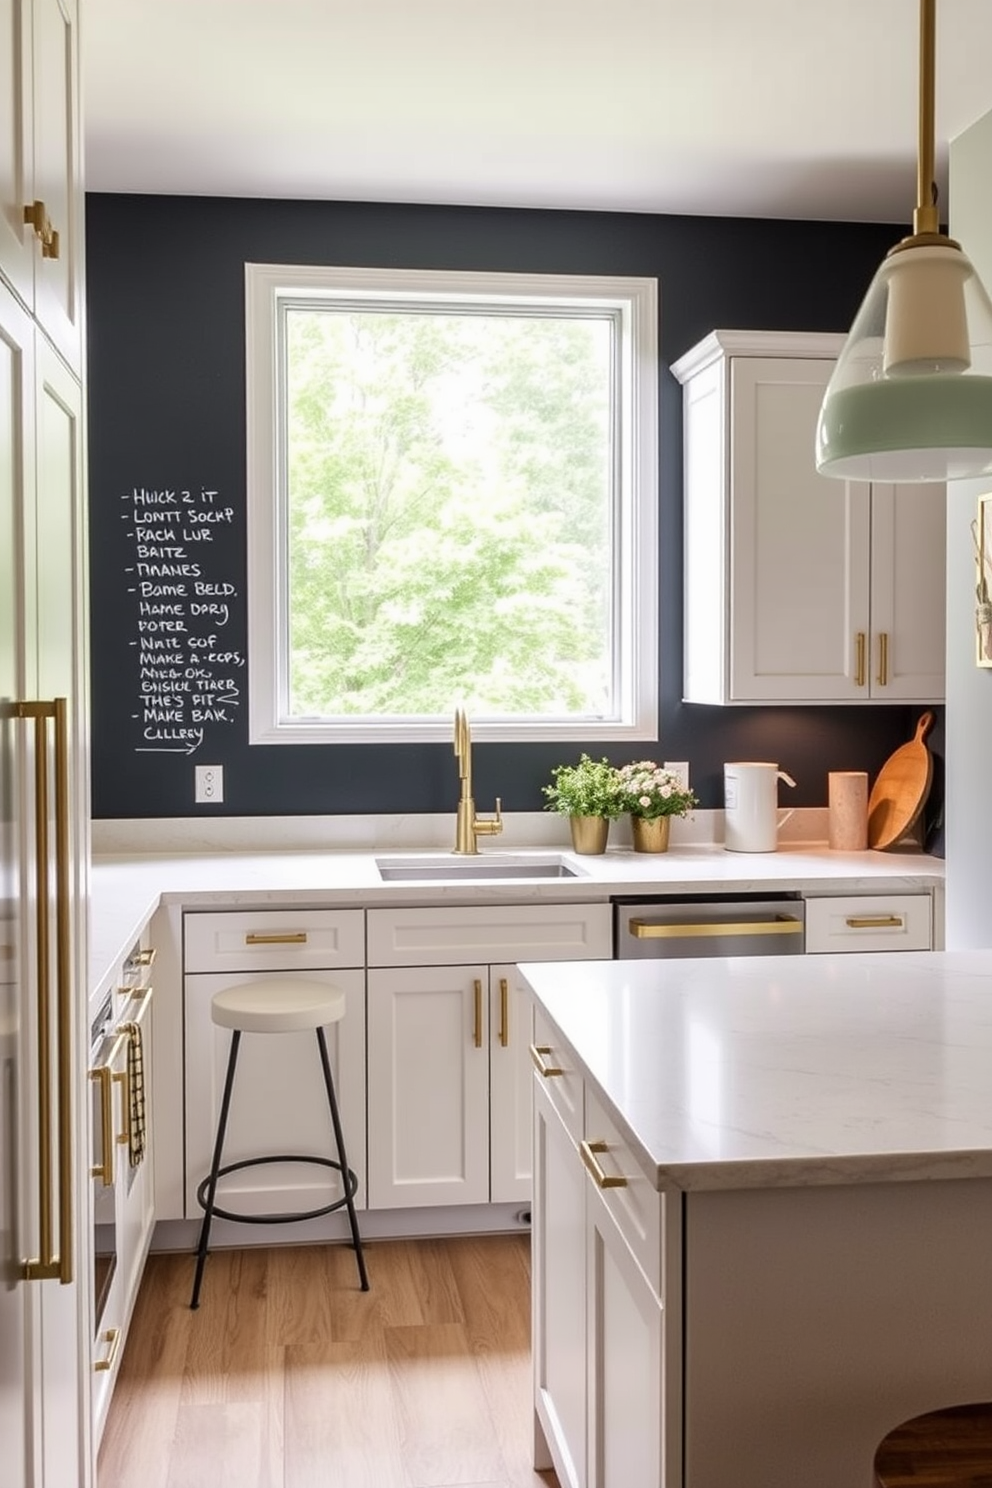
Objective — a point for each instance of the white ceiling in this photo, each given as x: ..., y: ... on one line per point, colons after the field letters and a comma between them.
x: 778, y: 108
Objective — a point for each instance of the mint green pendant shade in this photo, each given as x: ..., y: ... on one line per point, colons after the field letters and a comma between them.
x: 911, y: 396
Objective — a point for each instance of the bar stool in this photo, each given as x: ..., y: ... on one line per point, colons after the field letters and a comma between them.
x: 276, y: 1005
x: 949, y: 1448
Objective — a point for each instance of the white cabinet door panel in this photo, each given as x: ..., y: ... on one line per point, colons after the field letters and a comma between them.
x: 428, y: 1086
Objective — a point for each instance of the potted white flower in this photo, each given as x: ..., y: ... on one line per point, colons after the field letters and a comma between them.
x: 589, y: 795
x: 652, y: 796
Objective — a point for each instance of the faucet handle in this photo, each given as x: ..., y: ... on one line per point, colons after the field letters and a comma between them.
x: 490, y: 826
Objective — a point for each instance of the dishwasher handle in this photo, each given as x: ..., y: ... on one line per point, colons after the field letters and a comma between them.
x: 653, y: 930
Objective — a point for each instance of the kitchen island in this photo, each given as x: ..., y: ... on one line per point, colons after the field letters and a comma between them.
x: 762, y: 1210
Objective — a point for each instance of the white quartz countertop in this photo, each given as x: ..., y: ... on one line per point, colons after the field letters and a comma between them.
x: 126, y: 889
x: 780, y: 1071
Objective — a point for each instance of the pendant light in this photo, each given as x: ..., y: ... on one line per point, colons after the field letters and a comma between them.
x: 910, y: 398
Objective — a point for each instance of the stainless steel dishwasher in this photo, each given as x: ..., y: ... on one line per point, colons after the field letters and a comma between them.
x: 709, y: 925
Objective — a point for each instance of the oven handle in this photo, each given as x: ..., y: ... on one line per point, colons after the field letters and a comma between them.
x: 105, y: 1075
x: 652, y: 930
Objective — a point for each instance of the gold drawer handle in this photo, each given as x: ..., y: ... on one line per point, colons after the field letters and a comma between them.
x: 537, y: 1053
x: 112, y: 1338
x: 603, y: 1180
x: 105, y: 1169
x: 288, y: 937
x: 875, y: 922
x: 144, y: 957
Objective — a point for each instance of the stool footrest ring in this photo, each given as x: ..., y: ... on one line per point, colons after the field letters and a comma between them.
x: 351, y: 1188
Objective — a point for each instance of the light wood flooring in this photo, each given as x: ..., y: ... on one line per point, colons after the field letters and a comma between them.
x: 288, y: 1376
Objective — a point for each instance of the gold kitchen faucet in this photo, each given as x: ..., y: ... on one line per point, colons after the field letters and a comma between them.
x: 469, y: 827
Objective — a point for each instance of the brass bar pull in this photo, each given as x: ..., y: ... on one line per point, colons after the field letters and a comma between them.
x: 875, y: 922
x: 146, y: 994
x: 287, y: 937
x: 52, y: 1264
x: 144, y: 957
x: 477, y: 988
x: 646, y: 930
x: 537, y: 1053
x: 588, y: 1151
x: 860, y: 653
x: 504, y: 1012
x: 105, y: 1170
x: 112, y: 1338
x: 36, y: 218
x: 123, y: 1079
x: 50, y: 243
x: 883, y: 659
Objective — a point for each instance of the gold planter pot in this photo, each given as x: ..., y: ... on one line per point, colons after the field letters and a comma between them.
x: 589, y: 833
x: 651, y: 836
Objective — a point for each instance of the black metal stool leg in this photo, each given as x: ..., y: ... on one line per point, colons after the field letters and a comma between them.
x: 346, y: 1174
x: 208, y: 1213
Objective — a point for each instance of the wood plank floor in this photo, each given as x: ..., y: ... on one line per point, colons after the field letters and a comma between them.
x: 288, y: 1376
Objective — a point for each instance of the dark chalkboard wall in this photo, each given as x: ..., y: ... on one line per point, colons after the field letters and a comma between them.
x: 167, y: 488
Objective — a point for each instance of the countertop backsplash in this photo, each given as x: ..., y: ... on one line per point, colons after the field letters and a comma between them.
x: 429, y: 830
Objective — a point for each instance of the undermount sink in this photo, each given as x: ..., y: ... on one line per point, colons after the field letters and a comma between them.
x: 413, y: 870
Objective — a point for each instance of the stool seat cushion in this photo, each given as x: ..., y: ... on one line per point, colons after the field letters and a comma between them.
x: 279, y: 1004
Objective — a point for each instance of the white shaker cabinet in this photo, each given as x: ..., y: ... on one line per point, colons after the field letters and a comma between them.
x: 798, y: 588
x: 41, y: 208
x: 449, y: 1106
x: 605, y: 1277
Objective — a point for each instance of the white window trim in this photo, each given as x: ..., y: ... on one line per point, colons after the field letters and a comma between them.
x: 265, y: 286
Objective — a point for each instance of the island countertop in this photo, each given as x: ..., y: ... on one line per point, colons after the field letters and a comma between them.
x: 767, y: 1072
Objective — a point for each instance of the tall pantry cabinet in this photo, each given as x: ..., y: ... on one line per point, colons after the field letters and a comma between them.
x: 44, y: 793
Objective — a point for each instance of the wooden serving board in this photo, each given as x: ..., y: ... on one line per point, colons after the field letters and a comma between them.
x: 900, y: 792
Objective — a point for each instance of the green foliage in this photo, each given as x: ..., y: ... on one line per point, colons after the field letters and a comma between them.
x: 449, y: 527
x: 590, y: 788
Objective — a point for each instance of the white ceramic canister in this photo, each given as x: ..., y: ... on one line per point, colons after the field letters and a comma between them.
x: 751, y: 814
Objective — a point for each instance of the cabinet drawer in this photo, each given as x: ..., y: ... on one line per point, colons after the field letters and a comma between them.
x: 870, y: 922
x: 492, y: 932
x: 274, y: 940
x: 557, y: 1075
x: 636, y: 1207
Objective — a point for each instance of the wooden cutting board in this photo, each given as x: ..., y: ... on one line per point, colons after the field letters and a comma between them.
x: 900, y: 792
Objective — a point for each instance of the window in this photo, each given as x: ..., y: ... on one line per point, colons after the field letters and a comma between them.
x: 452, y: 496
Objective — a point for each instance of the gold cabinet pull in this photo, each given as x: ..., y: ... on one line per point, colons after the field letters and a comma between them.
x: 112, y: 1338
x: 537, y: 1053
x: 36, y: 217
x: 477, y: 989
x: 602, y: 1179
x: 860, y: 662
x: 875, y: 922
x: 123, y: 1079
x: 649, y: 930
x: 504, y: 1012
x: 286, y: 937
x: 883, y: 659
x: 52, y: 1263
x: 144, y: 957
x: 105, y: 1170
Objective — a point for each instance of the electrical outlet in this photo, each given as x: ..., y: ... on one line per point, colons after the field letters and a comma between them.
x: 209, y: 784
x: 681, y: 769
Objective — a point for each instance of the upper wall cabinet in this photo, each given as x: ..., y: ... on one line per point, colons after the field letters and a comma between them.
x: 798, y: 588
x: 41, y: 211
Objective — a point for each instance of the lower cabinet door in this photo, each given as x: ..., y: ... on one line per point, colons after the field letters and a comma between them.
x: 625, y: 1386
x: 511, y: 1080
x: 428, y: 1086
x: 279, y: 1103
x: 558, y: 1269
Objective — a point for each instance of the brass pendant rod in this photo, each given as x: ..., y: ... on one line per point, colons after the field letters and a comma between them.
x: 926, y: 216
